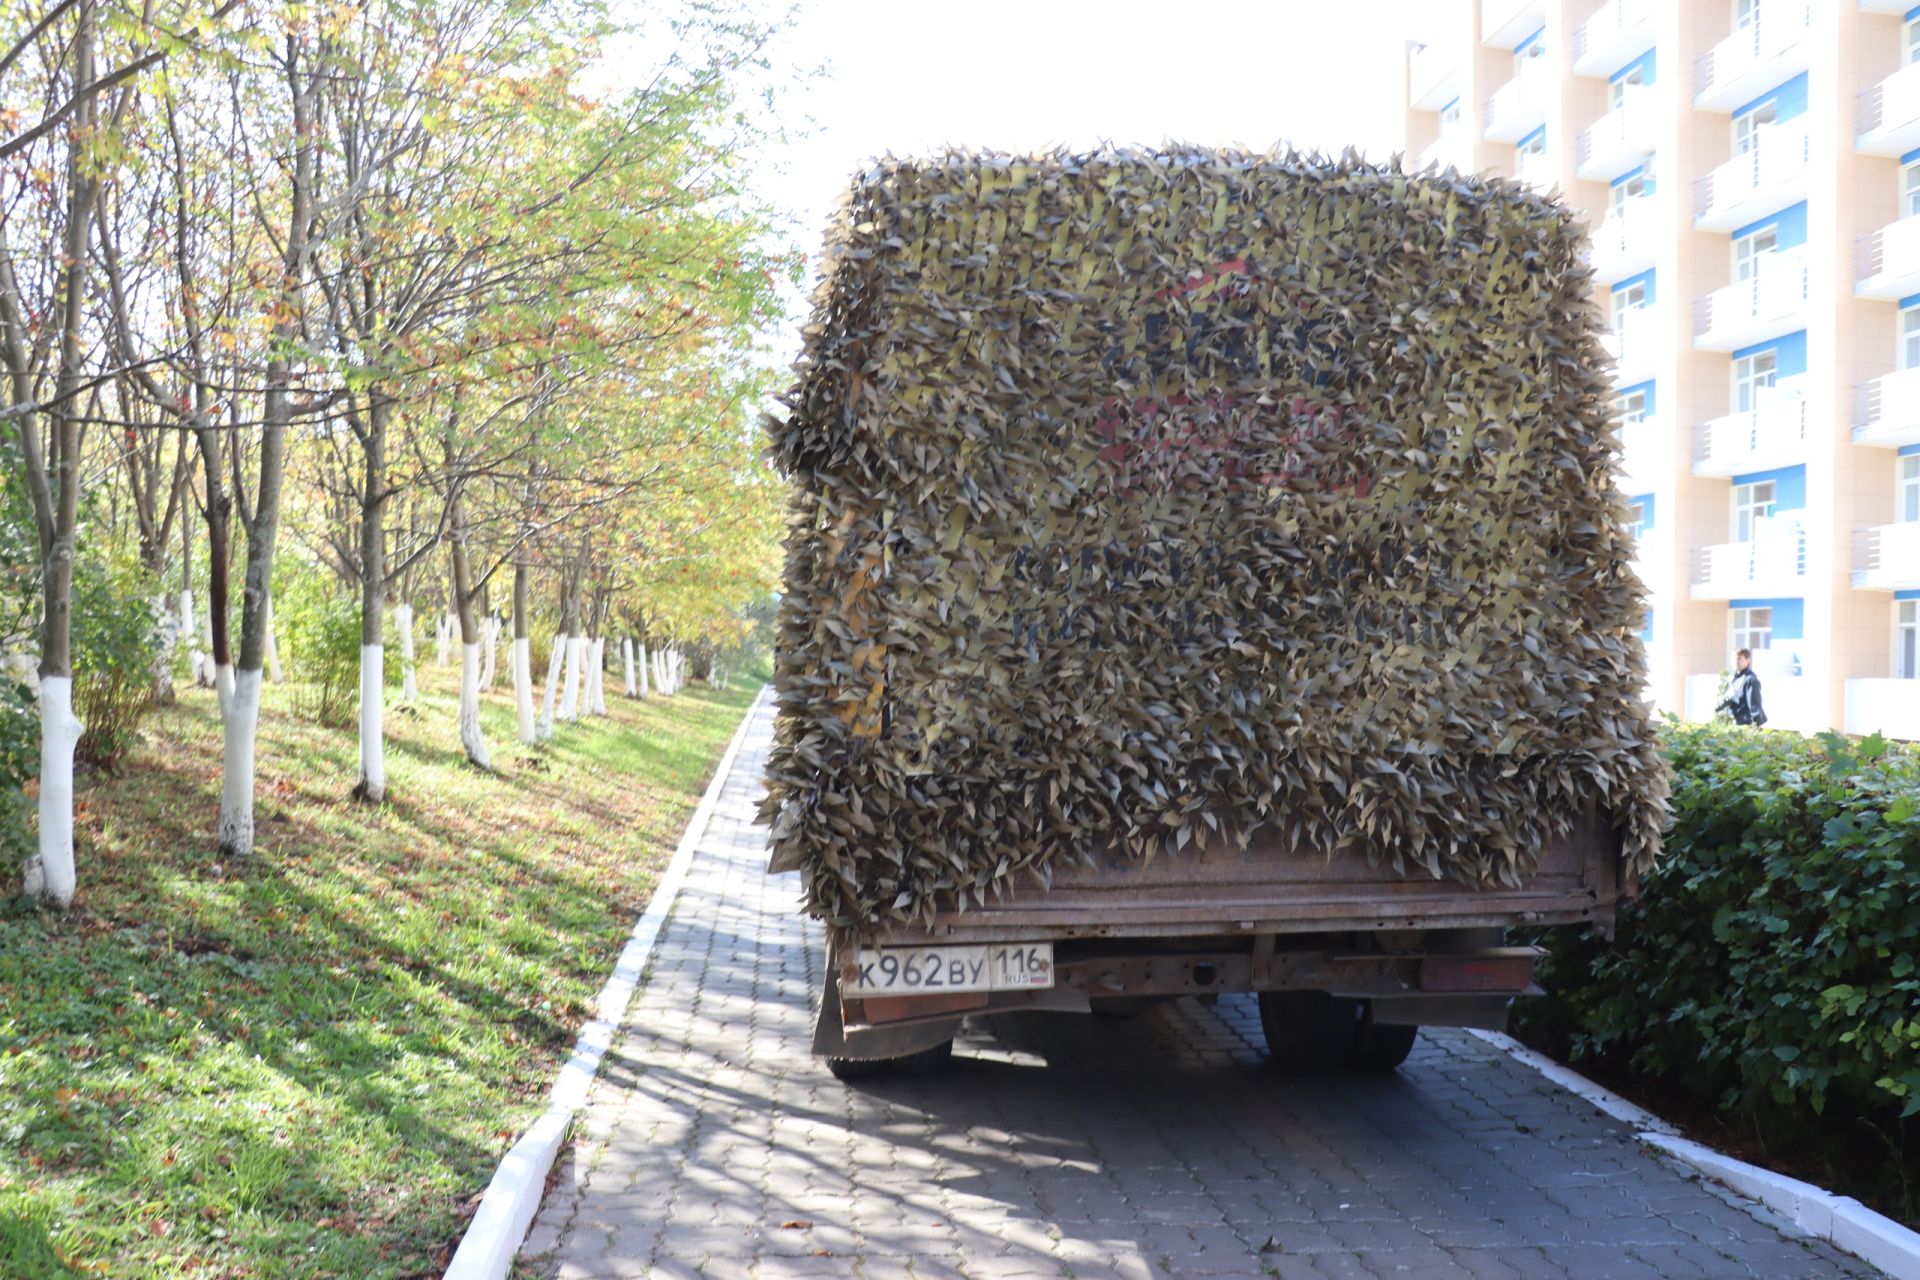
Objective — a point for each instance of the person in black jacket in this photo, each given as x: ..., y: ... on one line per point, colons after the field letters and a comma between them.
x: 1743, y: 692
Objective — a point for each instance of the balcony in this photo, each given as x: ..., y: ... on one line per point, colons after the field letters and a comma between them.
x: 1453, y: 149
x: 1887, y: 261
x: 1754, y: 58
x: 1887, y: 707
x: 1519, y: 106
x: 1620, y: 139
x: 1618, y: 31
x: 1792, y: 702
x: 1886, y: 411
x: 1506, y: 23
x: 1769, y: 176
x: 1623, y: 243
x: 1772, y: 301
x: 1886, y: 557
x: 1645, y: 456
x: 1537, y: 170
x: 1888, y: 115
x: 1433, y: 75
x: 1636, y: 345
x: 1771, y: 434
x: 1773, y: 564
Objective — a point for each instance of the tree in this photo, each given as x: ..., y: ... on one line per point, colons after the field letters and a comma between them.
x: 50, y: 285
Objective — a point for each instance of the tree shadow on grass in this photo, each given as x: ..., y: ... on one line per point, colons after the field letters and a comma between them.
x: 302, y: 962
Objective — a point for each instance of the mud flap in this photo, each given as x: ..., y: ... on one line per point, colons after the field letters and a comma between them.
x: 832, y: 1039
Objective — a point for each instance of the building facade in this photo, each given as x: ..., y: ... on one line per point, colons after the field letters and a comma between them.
x: 1749, y: 171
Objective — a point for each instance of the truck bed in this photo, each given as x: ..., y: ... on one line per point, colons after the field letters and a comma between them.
x: 1270, y: 888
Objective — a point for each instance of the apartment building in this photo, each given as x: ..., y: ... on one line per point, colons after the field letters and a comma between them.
x: 1749, y: 171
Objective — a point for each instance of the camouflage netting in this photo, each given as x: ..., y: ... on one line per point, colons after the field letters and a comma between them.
x: 1144, y: 498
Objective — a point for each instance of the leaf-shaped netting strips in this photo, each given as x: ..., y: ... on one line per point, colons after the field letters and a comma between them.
x: 1145, y: 498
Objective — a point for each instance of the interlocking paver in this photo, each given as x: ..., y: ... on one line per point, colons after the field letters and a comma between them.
x: 714, y: 1145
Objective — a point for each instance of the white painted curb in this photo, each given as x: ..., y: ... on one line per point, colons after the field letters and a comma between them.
x: 1841, y: 1221
x: 506, y: 1211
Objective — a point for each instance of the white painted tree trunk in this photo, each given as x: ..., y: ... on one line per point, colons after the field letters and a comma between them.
x: 490, y: 637
x: 403, y: 623
x: 50, y: 872
x: 190, y: 632
x: 587, y: 673
x: 167, y: 640
x: 626, y: 662
x: 548, y: 707
x: 240, y: 725
x: 442, y: 637
x: 643, y: 668
x: 470, y: 736
x: 570, y: 692
x: 207, y: 676
x: 598, y: 670
x: 660, y: 672
x: 373, y: 761
x: 274, y: 673
x: 523, y: 689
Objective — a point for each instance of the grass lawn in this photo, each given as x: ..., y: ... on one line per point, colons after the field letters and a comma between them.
x: 309, y: 1063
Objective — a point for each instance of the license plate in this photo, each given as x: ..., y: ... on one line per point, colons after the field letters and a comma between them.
x: 894, y: 971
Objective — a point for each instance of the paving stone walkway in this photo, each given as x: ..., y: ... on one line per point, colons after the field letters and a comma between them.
x: 714, y: 1145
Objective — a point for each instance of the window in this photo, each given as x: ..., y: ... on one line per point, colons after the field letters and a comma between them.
x: 1639, y: 517
x: 1906, y: 639
x: 1753, y: 629
x: 1534, y: 145
x: 1617, y: 89
x: 1746, y: 13
x: 1635, y: 187
x: 1910, y: 43
x: 1906, y: 491
x: 1450, y: 115
x: 1746, y: 134
x: 1628, y: 298
x: 1748, y: 248
x: 1750, y: 374
x: 1752, y: 505
x: 1910, y: 189
x: 1534, y: 48
x: 1910, y: 338
x: 1631, y: 407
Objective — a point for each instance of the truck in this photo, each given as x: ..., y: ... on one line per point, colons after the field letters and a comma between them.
x: 1186, y: 545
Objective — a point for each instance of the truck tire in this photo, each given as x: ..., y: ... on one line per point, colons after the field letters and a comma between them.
x: 926, y: 1062
x: 1379, y: 1047
x: 1309, y: 1032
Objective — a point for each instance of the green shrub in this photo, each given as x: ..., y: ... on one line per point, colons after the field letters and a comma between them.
x: 1770, y: 966
x: 19, y: 762
x: 115, y: 638
x: 317, y: 624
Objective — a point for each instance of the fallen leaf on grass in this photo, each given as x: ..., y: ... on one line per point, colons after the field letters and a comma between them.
x: 796, y: 1224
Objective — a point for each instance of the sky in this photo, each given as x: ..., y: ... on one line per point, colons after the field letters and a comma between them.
x: 910, y: 76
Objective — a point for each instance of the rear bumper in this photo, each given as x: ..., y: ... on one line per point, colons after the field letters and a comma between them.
x: 1453, y: 979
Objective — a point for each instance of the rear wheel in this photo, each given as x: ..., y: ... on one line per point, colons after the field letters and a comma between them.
x: 1309, y: 1032
x: 1379, y: 1046
x: 925, y: 1062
